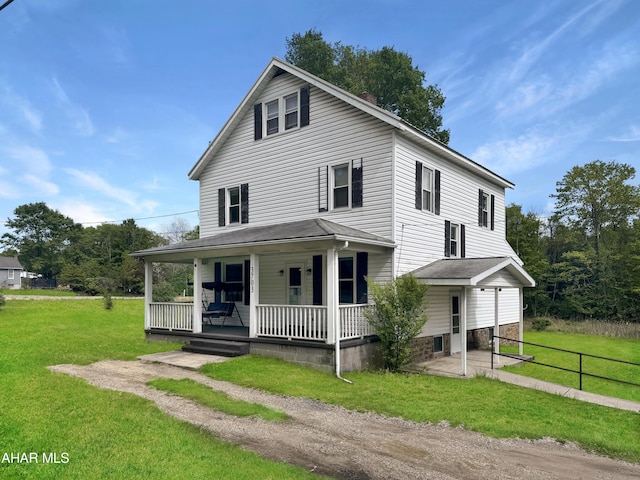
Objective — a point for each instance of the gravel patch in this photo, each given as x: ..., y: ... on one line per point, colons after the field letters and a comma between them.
x: 345, y: 444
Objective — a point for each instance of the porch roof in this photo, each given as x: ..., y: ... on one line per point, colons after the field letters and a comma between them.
x: 316, y: 229
x: 478, y: 272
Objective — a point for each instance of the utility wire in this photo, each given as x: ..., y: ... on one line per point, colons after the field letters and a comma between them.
x: 5, y: 4
x: 138, y: 219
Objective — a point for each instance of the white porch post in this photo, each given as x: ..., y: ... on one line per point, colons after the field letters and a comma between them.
x: 521, y: 320
x: 254, y: 289
x: 197, y: 295
x: 463, y: 329
x: 148, y: 293
x: 332, y: 295
x: 496, y: 326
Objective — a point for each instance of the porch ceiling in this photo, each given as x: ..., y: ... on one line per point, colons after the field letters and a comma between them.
x: 475, y: 272
x: 300, y: 235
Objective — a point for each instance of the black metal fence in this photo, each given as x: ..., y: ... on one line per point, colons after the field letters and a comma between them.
x: 581, y: 370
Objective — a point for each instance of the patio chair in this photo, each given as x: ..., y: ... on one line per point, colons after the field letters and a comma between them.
x: 220, y: 310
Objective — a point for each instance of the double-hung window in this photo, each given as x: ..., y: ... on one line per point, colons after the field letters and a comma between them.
x: 454, y: 238
x: 234, y: 205
x: 11, y: 275
x: 273, y: 117
x: 427, y: 189
x: 291, y: 111
x: 341, y: 185
x: 233, y: 282
x: 486, y: 209
x: 484, y: 205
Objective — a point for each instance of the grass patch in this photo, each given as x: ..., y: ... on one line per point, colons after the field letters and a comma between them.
x: 618, y: 348
x: 601, y: 328
x: 39, y: 292
x: 480, y: 404
x: 216, y: 400
x: 106, y: 434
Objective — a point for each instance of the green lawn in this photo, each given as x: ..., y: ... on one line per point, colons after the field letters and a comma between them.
x: 104, y: 434
x: 618, y: 348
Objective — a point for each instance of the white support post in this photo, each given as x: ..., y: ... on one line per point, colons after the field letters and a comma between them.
x: 521, y: 321
x: 332, y: 295
x: 254, y: 289
x: 463, y: 330
x: 197, y: 295
x: 496, y: 319
x: 148, y: 293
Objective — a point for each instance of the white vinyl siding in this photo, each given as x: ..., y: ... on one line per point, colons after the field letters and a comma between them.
x: 283, y: 169
x: 420, y: 238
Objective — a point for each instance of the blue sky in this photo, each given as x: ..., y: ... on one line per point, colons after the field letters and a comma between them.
x: 105, y: 106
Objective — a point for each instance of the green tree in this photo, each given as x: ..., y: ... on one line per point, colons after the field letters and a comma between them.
x: 398, y: 316
x: 389, y: 75
x: 41, y: 237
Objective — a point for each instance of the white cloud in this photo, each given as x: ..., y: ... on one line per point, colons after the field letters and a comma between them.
x: 118, y: 136
x: 32, y: 159
x: 515, y: 154
x: 77, y: 117
x: 39, y: 184
x: 23, y: 108
x: 82, y: 211
x: 631, y: 135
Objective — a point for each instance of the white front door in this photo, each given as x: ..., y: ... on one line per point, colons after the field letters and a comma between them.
x: 295, y: 284
x: 455, y: 323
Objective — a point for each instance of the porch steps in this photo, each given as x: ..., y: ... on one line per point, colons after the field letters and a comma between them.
x: 225, y: 348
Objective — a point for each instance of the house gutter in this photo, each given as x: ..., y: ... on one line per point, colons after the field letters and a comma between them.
x: 337, y: 329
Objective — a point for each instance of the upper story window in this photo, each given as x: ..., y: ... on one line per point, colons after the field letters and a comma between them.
x: 273, y: 117
x: 291, y: 111
x: 233, y: 205
x: 341, y: 186
x: 427, y: 189
x: 278, y: 115
x: 454, y: 240
x: 486, y: 209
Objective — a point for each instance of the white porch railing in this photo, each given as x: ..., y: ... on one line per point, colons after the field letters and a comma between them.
x: 171, y: 316
x: 301, y: 322
x: 353, y: 322
x: 305, y: 322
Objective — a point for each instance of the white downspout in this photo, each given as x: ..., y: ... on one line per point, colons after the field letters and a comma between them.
x: 337, y: 316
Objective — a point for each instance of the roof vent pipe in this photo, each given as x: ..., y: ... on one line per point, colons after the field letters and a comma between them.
x: 369, y: 97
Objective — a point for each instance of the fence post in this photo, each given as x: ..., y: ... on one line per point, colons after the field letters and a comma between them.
x: 581, y: 371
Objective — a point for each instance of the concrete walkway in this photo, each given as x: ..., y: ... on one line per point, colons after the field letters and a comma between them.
x: 479, y: 363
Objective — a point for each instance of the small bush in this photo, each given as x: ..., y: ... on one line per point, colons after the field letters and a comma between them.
x: 540, y: 324
x: 2, y: 300
x: 108, y: 301
x: 397, y: 317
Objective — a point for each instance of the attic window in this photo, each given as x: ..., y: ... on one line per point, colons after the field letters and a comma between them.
x: 281, y: 114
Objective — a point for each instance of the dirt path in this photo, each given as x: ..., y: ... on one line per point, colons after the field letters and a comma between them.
x: 349, y: 445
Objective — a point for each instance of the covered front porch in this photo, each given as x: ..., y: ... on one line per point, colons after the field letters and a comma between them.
x: 296, y: 282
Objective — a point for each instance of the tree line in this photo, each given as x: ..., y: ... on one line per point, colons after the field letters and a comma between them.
x: 585, y: 256
x: 91, y: 260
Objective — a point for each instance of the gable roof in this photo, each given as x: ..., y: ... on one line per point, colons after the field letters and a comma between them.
x: 300, y: 231
x: 277, y: 66
x: 10, y: 263
x: 471, y: 271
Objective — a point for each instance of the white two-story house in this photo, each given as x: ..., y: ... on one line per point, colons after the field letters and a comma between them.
x: 306, y: 192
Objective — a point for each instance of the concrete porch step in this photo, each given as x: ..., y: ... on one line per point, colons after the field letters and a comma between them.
x: 223, y: 348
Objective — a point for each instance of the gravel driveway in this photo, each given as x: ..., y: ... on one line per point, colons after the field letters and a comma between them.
x: 345, y: 444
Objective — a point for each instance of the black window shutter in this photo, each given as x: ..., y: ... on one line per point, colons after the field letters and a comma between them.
x: 257, y: 121
x: 221, y: 207
x: 304, y: 106
x: 480, y: 194
x: 323, y: 189
x: 447, y: 238
x: 317, y: 279
x: 362, y: 270
x: 244, y: 203
x: 493, y: 210
x: 356, y: 184
x: 436, y: 202
x: 419, y: 185
x: 217, y: 277
x: 247, y: 282
x: 462, y: 240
